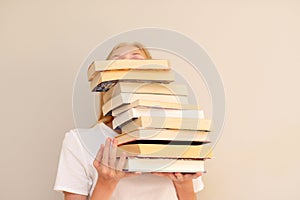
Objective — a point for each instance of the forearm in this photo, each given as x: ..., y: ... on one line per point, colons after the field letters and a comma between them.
x: 103, y: 191
x: 185, y: 190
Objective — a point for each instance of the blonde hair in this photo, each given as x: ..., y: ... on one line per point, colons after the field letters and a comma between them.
x: 108, y: 119
x: 134, y: 44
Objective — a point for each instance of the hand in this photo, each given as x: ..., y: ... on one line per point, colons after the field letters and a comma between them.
x: 183, y: 183
x: 109, y: 171
x: 178, y: 177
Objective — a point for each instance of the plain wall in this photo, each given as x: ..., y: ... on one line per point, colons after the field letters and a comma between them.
x: 255, y: 46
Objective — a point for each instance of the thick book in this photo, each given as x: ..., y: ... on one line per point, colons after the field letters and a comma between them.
x: 166, y: 150
x: 153, y: 104
x: 163, y: 134
x: 104, y: 65
x: 145, y: 88
x: 136, y: 164
x: 100, y: 81
x: 126, y: 98
x: 167, y: 122
x: 155, y: 112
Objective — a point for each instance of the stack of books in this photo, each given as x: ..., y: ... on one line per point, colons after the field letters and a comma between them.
x: 161, y: 131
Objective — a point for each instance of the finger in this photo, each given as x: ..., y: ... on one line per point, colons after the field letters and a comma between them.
x: 121, y: 162
x: 179, y: 176
x: 196, y: 175
x: 100, y: 153
x: 113, y: 154
x: 106, y: 152
x: 188, y: 176
x: 172, y: 176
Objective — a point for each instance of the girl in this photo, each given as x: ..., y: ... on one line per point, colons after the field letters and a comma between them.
x: 81, y: 176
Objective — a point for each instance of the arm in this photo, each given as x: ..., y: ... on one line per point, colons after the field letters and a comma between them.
x: 103, y: 191
x: 72, y: 196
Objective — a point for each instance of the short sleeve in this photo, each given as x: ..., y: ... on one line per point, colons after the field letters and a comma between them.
x: 71, y: 173
x: 198, y: 184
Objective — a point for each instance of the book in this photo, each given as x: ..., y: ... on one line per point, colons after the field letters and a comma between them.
x: 153, y: 104
x: 165, y: 151
x: 163, y: 134
x: 98, y: 83
x: 167, y: 122
x: 136, y: 164
x: 126, y: 98
x: 145, y: 88
x: 155, y: 112
x: 125, y: 64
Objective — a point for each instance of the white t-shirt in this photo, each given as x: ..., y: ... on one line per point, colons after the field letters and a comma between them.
x: 76, y: 173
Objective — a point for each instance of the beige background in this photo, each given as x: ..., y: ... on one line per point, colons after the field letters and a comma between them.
x: 254, y: 44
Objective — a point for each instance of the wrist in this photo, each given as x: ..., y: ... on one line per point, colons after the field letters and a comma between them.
x: 186, y: 183
x: 184, y: 190
x: 104, y: 189
x: 110, y: 183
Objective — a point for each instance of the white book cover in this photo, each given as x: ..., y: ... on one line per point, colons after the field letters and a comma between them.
x: 126, y: 98
x: 155, y: 112
x: 163, y: 165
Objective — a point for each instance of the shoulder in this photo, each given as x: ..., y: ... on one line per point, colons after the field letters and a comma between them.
x: 75, y: 134
x: 88, y: 139
x: 73, y: 139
